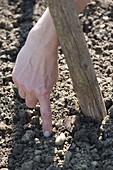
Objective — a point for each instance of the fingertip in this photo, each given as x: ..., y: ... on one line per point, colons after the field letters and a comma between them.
x: 47, y: 133
x: 31, y: 101
x: 31, y: 105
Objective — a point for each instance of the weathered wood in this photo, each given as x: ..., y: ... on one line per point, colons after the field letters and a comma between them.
x: 78, y: 58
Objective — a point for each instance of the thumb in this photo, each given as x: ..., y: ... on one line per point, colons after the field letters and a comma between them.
x: 46, y: 115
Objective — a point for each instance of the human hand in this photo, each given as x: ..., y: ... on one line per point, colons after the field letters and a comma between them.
x: 36, y: 68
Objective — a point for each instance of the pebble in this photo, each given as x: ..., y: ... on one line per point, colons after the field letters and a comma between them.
x: 37, y: 159
x: 73, y: 147
x: 84, y: 167
x: 59, y: 123
x: 35, y: 120
x: 102, y: 26
x: 105, y: 18
x: 78, y: 155
x: 95, y: 156
x: 28, y: 136
x: 51, y: 167
x: 60, y: 139
x: 99, y: 80
x: 3, y: 126
x: 94, y: 163
x: 68, y: 156
x: 108, y: 103
x: 9, y: 26
x: 2, y: 23
x: 28, y: 113
x: 48, y: 159
x: 3, y: 57
x: 38, y: 152
x: 60, y: 153
x: 93, y: 3
x: 27, y: 165
x: 104, y: 135
x: 109, y: 167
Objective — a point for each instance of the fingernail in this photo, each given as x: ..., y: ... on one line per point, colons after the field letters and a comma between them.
x: 46, y: 133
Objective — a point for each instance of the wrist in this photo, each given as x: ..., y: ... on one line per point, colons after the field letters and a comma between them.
x: 44, y: 31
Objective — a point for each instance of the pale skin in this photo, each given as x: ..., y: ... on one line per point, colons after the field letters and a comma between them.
x: 36, y: 68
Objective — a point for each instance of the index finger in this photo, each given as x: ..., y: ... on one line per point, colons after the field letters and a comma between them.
x: 46, y: 115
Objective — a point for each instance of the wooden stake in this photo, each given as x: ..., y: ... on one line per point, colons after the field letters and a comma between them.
x: 78, y: 58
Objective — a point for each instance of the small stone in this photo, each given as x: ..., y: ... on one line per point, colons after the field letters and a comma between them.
x: 94, y: 163
x: 78, y: 155
x: 102, y: 26
x: 8, y: 77
x: 105, y: 18
x: 35, y: 120
x: 37, y: 141
x: 84, y: 167
x: 108, y: 103
x: 2, y: 23
x: 60, y: 139
x: 59, y: 123
x: 68, y: 156
x: 9, y: 26
x: 48, y: 159
x: 95, y: 156
x: 27, y: 165
x: 28, y: 136
x: 73, y: 146
x: 38, y: 152
x: 93, y: 3
x: 3, y: 126
x: 98, y: 48
x: 3, y: 57
x: 104, y: 135
x: 51, y: 167
x: 99, y: 80
x: 28, y: 113
x: 37, y: 159
x: 77, y: 167
x: 60, y: 153
x: 109, y: 167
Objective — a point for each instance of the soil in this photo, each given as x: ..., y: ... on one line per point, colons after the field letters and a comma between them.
x: 77, y: 143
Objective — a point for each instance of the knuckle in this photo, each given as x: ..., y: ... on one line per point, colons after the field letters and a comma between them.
x: 31, y: 101
x: 30, y: 105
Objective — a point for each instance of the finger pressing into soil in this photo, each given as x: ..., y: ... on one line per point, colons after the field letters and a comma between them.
x: 31, y: 101
x: 46, y: 115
